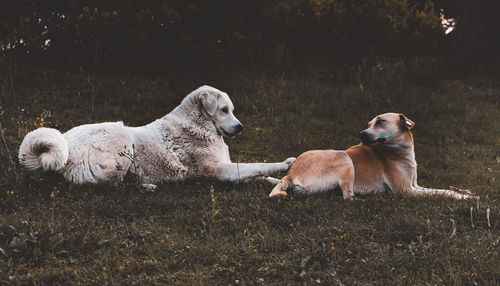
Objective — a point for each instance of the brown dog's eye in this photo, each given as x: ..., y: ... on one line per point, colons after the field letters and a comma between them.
x: 380, y: 122
x: 224, y: 110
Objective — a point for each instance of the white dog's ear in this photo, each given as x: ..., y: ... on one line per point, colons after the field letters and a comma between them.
x: 406, y: 122
x: 209, y: 101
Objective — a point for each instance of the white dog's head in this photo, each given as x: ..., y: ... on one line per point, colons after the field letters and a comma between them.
x: 388, y: 129
x: 219, y: 108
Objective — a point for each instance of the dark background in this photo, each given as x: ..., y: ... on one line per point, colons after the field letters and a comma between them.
x: 234, y: 35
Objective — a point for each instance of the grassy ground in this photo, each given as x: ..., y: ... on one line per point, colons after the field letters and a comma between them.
x: 209, y: 233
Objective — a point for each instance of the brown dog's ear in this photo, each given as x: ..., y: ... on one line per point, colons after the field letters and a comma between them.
x: 407, y: 123
x: 209, y: 101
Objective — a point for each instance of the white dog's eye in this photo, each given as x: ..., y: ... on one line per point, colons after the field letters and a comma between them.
x: 224, y: 110
x: 380, y: 121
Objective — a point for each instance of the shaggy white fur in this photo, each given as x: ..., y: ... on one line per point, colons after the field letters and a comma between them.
x: 44, y: 148
x: 187, y: 142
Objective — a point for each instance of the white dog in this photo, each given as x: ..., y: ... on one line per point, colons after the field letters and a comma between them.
x: 187, y: 142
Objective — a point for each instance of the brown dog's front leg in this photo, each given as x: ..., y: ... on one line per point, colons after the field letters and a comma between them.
x: 453, y: 192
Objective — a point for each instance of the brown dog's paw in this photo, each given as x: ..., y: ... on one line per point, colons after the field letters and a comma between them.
x: 464, y: 192
x: 280, y: 194
x: 348, y: 196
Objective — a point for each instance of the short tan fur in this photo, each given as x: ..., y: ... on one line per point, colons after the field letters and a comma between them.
x: 383, y: 162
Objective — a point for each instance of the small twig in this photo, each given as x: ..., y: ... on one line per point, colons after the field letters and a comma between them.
x: 132, y: 155
x: 471, y: 219
x: 443, y: 145
x: 2, y: 134
x: 454, y: 228
x: 28, y: 223
x: 488, y: 216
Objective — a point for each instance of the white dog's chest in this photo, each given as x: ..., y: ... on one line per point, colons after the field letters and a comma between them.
x: 168, y: 155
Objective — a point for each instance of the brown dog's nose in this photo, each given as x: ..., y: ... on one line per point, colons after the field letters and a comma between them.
x: 364, y: 137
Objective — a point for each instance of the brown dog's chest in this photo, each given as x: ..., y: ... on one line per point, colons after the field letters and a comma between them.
x: 376, y: 172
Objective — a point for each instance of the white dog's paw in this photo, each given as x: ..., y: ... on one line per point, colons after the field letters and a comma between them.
x: 149, y: 187
x: 289, y: 162
x: 270, y: 180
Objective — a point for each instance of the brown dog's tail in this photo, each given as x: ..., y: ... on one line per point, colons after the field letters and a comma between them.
x: 280, y: 189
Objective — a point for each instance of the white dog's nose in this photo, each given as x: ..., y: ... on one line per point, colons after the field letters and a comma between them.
x: 239, y: 128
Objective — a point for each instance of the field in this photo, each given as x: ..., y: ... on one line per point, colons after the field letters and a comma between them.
x: 210, y: 233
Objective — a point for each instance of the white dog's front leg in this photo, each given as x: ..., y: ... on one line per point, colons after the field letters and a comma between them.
x: 243, y: 171
x: 149, y: 187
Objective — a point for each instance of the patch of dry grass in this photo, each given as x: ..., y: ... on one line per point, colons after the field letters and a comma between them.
x: 52, y: 232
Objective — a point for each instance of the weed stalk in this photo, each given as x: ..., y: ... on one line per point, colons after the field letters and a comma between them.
x: 488, y: 217
x: 471, y: 218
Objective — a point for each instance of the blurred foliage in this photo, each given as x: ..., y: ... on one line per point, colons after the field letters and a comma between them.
x: 475, y: 44
x: 169, y: 35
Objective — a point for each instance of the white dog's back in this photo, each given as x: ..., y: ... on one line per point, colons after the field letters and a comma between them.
x: 87, y: 153
x: 94, y: 152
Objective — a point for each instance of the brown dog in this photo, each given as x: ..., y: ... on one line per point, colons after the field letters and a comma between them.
x: 383, y: 162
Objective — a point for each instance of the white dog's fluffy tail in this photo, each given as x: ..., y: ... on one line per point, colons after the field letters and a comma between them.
x: 44, y: 148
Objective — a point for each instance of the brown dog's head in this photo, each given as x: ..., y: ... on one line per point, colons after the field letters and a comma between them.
x: 387, y: 129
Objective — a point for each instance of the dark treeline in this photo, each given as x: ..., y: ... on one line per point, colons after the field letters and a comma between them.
x: 161, y: 36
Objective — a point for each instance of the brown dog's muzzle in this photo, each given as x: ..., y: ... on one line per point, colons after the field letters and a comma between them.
x: 366, y: 140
